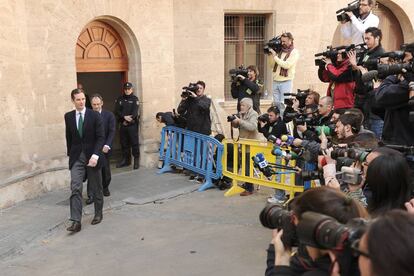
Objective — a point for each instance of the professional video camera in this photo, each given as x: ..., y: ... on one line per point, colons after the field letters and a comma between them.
x: 232, y: 117
x: 300, y: 96
x: 275, y: 44
x: 352, y: 7
x: 241, y: 70
x: 193, y: 87
x: 332, y: 52
x: 274, y: 216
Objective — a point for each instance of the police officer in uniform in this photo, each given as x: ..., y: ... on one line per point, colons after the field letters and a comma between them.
x: 126, y: 112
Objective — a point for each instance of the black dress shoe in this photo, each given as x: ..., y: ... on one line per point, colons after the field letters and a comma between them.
x: 136, y: 163
x: 106, y: 192
x: 89, y: 200
x: 75, y: 227
x: 123, y: 163
x: 97, y: 219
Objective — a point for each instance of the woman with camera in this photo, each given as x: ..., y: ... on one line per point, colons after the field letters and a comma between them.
x: 246, y: 122
x: 309, y: 260
x: 386, y: 248
x: 386, y: 182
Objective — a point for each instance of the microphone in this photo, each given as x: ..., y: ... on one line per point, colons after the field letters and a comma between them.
x: 288, y: 139
x: 260, y: 162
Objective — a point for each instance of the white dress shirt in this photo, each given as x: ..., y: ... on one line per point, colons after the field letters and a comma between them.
x: 355, y: 29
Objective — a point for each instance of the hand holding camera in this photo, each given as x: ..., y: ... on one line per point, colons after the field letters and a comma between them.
x: 240, y: 77
x: 283, y: 254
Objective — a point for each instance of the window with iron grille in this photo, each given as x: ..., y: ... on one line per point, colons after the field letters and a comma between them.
x: 244, y: 37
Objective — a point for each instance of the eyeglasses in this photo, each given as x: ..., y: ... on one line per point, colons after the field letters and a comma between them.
x: 357, y: 252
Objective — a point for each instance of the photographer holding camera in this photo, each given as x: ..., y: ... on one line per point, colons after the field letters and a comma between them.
x: 364, y: 90
x: 196, y: 108
x: 242, y: 87
x: 338, y: 72
x: 353, y: 27
x: 271, y: 123
x: 246, y: 122
x: 394, y: 95
x: 308, y: 259
x: 284, y: 67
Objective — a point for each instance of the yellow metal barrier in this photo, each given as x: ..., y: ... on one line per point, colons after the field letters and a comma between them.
x: 247, y: 148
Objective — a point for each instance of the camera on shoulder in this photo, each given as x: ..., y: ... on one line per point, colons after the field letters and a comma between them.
x: 192, y: 87
x: 241, y: 70
x: 274, y: 43
x: 352, y: 7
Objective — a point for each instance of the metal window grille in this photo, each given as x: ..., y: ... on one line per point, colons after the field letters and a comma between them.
x: 244, y: 37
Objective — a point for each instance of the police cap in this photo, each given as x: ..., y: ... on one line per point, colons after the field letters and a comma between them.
x: 128, y: 85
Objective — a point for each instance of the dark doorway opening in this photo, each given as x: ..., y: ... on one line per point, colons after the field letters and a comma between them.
x: 109, y: 86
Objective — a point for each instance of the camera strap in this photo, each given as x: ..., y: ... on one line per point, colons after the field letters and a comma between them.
x: 232, y: 134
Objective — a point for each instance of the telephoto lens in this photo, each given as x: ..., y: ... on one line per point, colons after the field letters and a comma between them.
x: 324, y: 232
x: 274, y: 216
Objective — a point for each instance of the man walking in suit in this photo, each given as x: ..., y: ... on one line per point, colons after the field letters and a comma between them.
x: 84, y: 141
x: 109, y: 123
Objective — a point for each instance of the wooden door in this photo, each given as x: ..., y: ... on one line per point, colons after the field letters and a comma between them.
x: 100, y: 49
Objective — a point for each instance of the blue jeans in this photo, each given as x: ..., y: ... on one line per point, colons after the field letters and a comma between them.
x: 376, y: 126
x: 278, y: 88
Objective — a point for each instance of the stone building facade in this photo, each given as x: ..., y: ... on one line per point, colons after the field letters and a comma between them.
x: 167, y: 43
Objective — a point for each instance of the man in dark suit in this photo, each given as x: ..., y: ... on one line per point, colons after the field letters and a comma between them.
x: 84, y: 141
x: 109, y: 123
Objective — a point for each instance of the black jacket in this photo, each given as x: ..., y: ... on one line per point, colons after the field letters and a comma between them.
x: 109, y: 124
x: 364, y: 89
x: 277, y: 128
x: 298, y: 265
x: 393, y: 96
x: 197, y: 112
x: 246, y: 89
x: 127, y: 105
x: 92, y: 140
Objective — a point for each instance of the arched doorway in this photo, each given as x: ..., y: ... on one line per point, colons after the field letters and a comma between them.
x: 392, y: 35
x: 101, y: 63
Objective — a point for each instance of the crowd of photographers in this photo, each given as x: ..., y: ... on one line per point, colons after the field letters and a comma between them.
x: 357, y: 143
x: 360, y: 138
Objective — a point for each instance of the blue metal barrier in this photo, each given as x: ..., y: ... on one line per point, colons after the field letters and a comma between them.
x: 196, y: 152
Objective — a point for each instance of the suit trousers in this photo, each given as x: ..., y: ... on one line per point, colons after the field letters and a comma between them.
x: 77, y: 174
x: 106, y: 175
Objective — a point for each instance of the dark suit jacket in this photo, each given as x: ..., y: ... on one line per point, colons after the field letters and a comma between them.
x: 109, y: 124
x: 92, y: 140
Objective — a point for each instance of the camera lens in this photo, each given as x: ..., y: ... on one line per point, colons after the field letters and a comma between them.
x: 274, y: 216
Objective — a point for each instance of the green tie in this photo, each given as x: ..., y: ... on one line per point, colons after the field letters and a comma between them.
x: 80, y: 125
